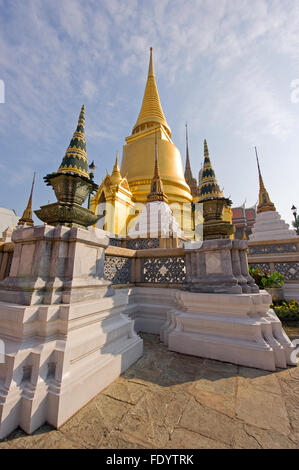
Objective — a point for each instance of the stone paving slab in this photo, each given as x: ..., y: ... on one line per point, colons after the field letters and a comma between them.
x: 170, y: 400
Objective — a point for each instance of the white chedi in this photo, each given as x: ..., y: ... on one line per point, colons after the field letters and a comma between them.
x: 270, y: 226
x: 156, y: 220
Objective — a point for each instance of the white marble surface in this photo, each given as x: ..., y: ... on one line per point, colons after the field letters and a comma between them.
x: 270, y: 226
x: 155, y: 218
x: 69, y: 337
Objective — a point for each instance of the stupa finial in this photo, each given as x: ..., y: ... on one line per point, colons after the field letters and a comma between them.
x: 151, y: 112
x: 157, y: 190
x: 188, y: 171
x: 116, y: 175
x: 265, y: 203
x: 151, y: 72
x: 26, y: 218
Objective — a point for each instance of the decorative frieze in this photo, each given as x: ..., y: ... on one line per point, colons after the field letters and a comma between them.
x: 117, y: 269
x: 115, y: 241
x: 275, y: 248
x: 143, y: 243
x: 290, y: 270
x: 170, y: 270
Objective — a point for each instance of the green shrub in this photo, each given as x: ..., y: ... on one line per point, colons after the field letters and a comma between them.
x: 275, y: 279
x: 265, y: 279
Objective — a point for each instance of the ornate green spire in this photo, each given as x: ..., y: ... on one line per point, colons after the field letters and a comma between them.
x: 75, y: 159
x: 209, y: 188
x: 72, y: 184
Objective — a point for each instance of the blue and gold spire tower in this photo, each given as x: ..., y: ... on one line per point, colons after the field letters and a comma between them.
x: 209, y: 187
x: 72, y: 184
x: 75, y: 159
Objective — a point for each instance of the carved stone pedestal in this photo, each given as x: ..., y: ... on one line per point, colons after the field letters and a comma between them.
x: 65, y: 335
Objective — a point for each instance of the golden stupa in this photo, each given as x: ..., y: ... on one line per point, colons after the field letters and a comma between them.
x: 138, y: 155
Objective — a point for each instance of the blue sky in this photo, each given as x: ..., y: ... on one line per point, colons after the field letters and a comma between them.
x: 224, y: 66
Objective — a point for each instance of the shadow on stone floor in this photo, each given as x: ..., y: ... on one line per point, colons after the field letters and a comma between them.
x: 166, y: 393
x: 166, y: 368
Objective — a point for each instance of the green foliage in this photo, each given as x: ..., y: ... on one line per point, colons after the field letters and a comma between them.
x: 265, y: 279
x: 275, y: 279
x: 296, y: 224
x: 286, y: 311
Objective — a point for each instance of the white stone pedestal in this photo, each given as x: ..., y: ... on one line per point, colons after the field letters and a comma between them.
x: 228, y: 327
x: 65, y: 335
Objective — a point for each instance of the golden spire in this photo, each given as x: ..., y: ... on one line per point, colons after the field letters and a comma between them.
x: 116, y: 175
x: 265, y: 203
x: 188, y: 171
x: 157, y: 190
x: 26, y: 218
x: 151, y: 110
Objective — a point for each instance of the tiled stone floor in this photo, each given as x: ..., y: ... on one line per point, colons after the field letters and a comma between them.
x: 169, y: 400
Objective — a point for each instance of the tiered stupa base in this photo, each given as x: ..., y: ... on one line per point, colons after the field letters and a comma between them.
x: 156, y: 220
x: 270, y: 226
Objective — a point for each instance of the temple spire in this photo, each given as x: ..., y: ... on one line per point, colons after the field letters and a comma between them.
x: 116, y: 175
x: 188, y: 171
x: 75, y: 159
x: 157, y: 190
x: 209, y: 188
x: 26, y: 218
x: 151, y: 112
x: 265, y: 203
x: 151, y: 72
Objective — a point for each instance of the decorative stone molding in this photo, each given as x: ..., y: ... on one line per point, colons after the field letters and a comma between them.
x: 65, y: 330
x: 275, y: 248
x: 219, y: 266
x: 163, y: 270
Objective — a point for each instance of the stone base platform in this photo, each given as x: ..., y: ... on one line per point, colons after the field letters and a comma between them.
x: 236, y: 328
x: 67, y: 355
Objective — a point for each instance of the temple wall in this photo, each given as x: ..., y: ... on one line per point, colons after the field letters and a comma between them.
x: 281, y: 256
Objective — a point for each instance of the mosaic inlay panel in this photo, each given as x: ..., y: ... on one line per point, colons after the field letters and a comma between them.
x: 170, y: 270
x: 276, y: 248
x: 117, y: 269
x: 114, y: 242
x: 290, y: 270
x: 143, y: 243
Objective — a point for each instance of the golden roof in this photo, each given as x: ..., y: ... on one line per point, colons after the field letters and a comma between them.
x: 151, y: 111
